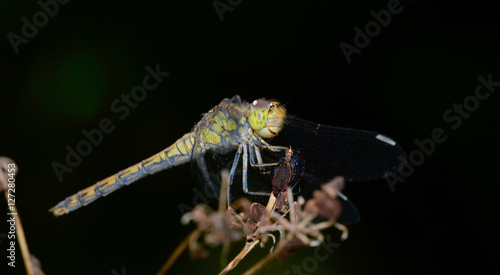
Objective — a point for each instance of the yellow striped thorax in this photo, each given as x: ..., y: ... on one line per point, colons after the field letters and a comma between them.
x: 224, y: 125
x: 233, y: 121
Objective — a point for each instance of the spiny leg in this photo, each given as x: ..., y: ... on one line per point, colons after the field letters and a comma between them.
x: 251, y: 148
x: 253, y: 156
x: 262, y: 144
x: 231, y: 174
x: 202, y: 166
x: 245, y: 169
x: 255, y: 150
x: 274, y: 148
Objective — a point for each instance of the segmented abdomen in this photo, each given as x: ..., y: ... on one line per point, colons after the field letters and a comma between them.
x: 178, y: 153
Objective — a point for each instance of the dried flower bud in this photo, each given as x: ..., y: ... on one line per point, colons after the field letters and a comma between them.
x: 258, y: 212
x: 333, y: 186
x: 324, y: 206
x: 282, y: 202
x: 198, y: 252
x: 290, y: 246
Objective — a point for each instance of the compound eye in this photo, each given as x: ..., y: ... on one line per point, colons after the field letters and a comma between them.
x: 258, y: 113
x: 275, y: 118
x: 261, y: 104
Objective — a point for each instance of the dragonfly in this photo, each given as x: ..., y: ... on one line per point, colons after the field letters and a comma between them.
x: 256, y: 133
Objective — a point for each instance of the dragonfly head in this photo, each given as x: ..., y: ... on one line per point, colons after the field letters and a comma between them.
x: 266, y: 117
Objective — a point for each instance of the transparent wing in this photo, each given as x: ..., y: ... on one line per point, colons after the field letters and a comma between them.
x: 328, y: 151
x: 207, y: 177
x: 357, y: 155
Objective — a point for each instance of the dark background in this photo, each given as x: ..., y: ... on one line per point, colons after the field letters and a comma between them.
x: 442, y: 219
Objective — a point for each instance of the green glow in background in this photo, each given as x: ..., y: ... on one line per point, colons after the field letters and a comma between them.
x: 72, y: 87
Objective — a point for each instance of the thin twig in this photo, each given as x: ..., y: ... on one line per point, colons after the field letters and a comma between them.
x: 247, y: 248
x: 271, y: 204
x: 23, y: 245
x: 266, y: 260
x: 250, y: 245
x: 175, y: 255
x: 196, y: 233
x: 223, y: 190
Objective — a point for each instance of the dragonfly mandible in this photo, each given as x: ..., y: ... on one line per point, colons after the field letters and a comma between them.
x: 256, y: 133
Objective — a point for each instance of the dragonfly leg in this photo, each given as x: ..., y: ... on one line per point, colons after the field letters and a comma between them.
x: 274, y: 148
x: 231, y: 174
x: 204, y: 172
x: 262, y: 144
x: 259, y: 163
x: 254, y: 154
x: 251, y: 148
x: 245, y: 169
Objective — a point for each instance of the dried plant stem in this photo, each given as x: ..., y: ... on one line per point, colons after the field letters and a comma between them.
x: 23, y: 245
x: 248, y: 247
x: 271, y: 203
x: 224, y: 190
x: 175, y: 255
x: 265, y: 261
x: 224, y: 253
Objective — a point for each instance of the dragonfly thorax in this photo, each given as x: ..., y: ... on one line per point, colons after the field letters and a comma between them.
x: 235, y: 122
x: 225, y: 126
